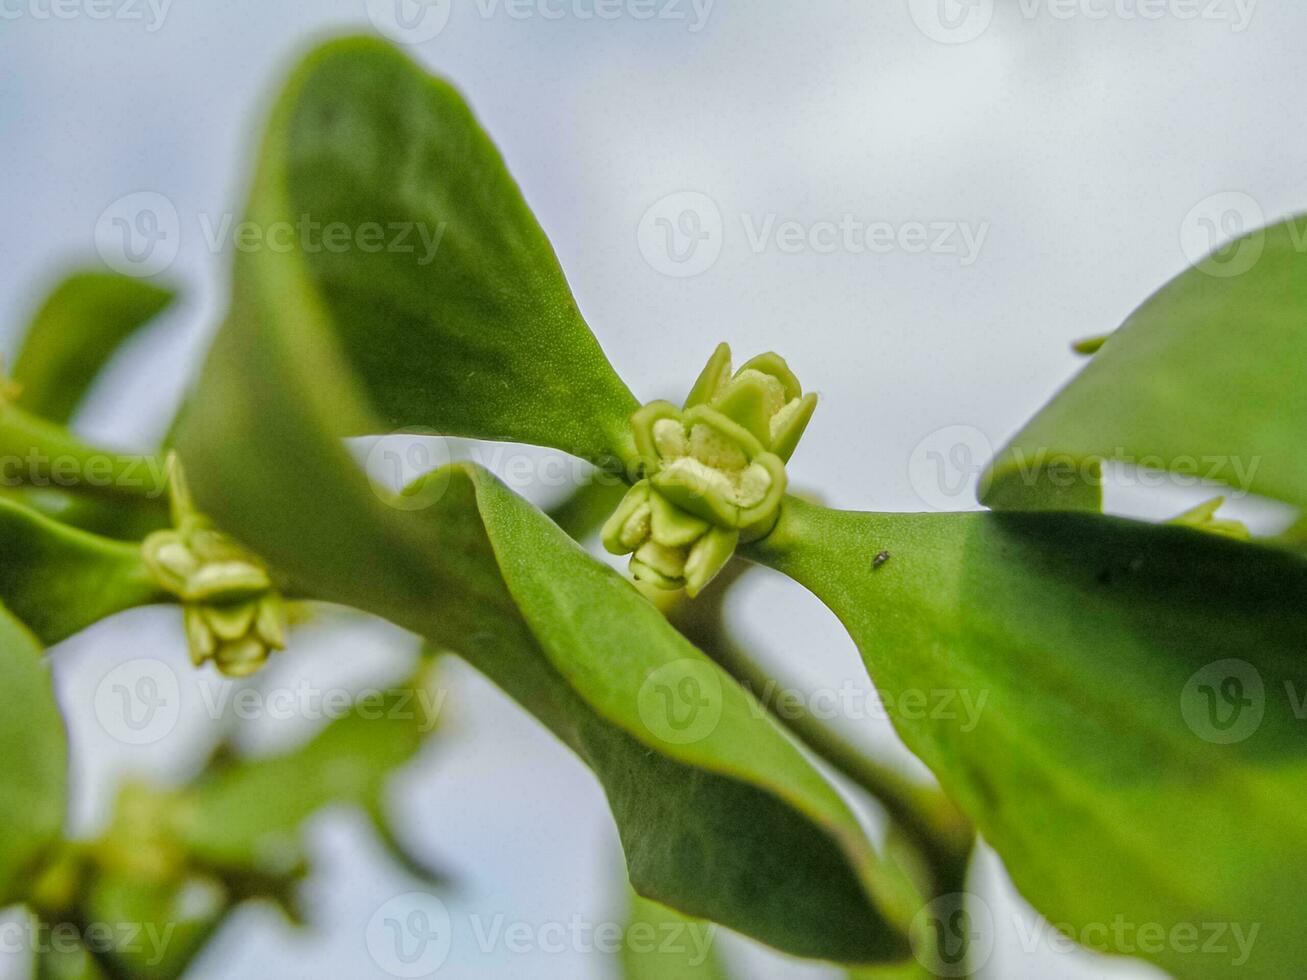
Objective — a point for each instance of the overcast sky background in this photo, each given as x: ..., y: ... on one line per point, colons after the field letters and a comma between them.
x: 1062, y: 165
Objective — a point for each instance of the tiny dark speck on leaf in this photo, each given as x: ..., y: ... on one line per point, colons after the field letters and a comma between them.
x: 879, y: 560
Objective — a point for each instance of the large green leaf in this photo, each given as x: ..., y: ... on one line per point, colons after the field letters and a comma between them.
x: 34, y: 765
x: 731, y: 823
x: 83, y: 321
x: 1094, y: 766
x: 465, y: 295
x: 59, y: 580
x: 1207, y: 378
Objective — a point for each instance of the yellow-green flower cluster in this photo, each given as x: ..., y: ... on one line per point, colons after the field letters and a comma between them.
x: 233, y: 614
x: 714, y: 471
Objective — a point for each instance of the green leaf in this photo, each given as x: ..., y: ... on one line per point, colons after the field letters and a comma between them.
x: 85, y: 319
x: 34, y: 765
x: 1093, y: 765
x: 660, y: 944
x: 59, y: 580
x: 735, y: 826
x: 461, y: 319
x: 1204, y: 379
x: 709, y: 825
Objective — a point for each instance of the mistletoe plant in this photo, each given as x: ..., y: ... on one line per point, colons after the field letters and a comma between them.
x: 1107, y: 797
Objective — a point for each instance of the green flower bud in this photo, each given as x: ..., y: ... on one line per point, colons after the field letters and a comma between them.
x: 714, y: 471
x: 764, y: 396
x: 232, y: 614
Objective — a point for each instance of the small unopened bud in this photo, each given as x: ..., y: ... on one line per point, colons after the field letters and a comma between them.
x: 232, y: 613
